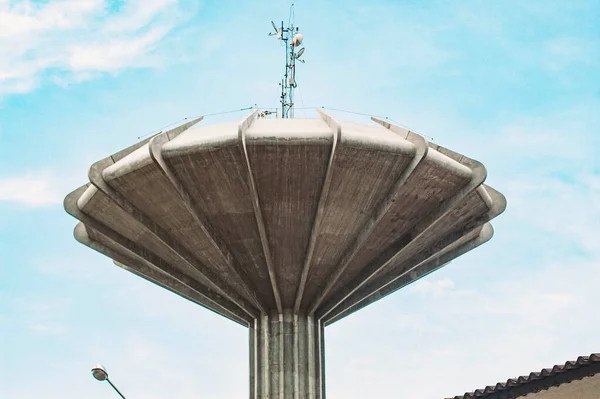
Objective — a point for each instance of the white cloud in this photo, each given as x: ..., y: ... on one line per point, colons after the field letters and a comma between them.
x: 73, y: 40
x: 42, y: 315
x: 21, y: 18
x: 567, y: 209
x: 48, y: 328
x: 113, y: 55
x: 564, y: 135
x: 31, y: 190
x: 137, y: 13
x: 429, y: 287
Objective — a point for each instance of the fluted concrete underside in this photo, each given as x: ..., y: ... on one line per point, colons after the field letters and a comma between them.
x: 266, y: 219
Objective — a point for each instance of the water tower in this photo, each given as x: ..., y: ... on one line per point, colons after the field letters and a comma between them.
x: 285, y: 225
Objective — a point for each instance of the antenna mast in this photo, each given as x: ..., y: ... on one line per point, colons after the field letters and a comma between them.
x: 292, y: 40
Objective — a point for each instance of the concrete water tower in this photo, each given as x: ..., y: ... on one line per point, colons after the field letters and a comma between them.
x: 285, y: 225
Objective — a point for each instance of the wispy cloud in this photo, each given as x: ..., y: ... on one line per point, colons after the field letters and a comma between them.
x: 31, y: 190
x: 565, y: 135
x: 430, y: 287
x: 42, y: 315
x: 73, y: 40
x: 113, y: 55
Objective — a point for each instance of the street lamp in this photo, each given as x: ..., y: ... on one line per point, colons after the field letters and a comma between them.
x: 99, y: 373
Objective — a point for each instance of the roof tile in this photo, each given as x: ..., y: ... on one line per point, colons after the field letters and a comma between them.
x: 581, y: 361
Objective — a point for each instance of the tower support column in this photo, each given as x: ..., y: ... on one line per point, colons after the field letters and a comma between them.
x: 287, y: 357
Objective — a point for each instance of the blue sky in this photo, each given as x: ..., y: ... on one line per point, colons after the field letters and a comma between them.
x: 513, y: 84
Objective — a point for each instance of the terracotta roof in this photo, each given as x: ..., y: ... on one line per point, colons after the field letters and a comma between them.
x: 584, y: 366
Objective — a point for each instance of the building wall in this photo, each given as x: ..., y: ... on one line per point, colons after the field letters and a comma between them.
x: 587, y: 388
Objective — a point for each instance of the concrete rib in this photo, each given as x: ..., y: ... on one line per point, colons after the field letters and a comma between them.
x: 97, y: 179
x: 154, y: 276
x: 472, y: 211
x: 234, y: 267
x: 422, y: 270
x: 161, y: 235
x: 243, y: 126
x: 289, y: 164
x: 355, y: 247
x: 496, y: 207
x: 426, y: 226
x: 337, y: 131
x: 208, y: 162
x: 368, y: 162
x: 407, y: 267
x: 217, y: 300
x: 72, y: 208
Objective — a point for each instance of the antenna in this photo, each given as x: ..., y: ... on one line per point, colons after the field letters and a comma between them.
x: 292, y: 40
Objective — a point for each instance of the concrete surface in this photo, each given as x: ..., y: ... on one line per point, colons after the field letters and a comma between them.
x: 285, y: 225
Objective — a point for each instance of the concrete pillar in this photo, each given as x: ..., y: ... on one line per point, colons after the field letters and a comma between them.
x: 286, y: 357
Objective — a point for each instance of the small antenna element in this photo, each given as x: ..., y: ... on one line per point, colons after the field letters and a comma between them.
x: 264, y: 114
x: 292, y: 40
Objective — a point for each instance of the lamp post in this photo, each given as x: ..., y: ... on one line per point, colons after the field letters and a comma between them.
x: 99, y: 373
